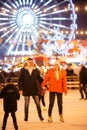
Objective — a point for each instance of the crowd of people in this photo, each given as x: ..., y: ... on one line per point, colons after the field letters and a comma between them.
x: 32, y: 83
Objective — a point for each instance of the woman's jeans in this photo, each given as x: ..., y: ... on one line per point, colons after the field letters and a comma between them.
x: 51, y: 102
x: 26, y: 106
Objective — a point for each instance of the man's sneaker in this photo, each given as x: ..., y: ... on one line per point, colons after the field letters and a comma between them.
x: 81, y: 98
x: 25, y: 119
x: 41, y: 118
x: 49, y: 119
x: 15, y: 126
x: 3, y: 128
x: 61, y: 118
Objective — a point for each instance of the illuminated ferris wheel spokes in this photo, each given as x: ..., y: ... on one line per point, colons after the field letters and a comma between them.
x: 22, y: 21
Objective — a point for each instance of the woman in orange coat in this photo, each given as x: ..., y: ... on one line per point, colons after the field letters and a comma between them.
x: 56, y: 80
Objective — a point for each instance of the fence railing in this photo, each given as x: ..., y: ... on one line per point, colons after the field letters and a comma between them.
x: 72, y: 81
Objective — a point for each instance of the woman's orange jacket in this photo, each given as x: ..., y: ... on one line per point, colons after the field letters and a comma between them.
x: 55, y: 85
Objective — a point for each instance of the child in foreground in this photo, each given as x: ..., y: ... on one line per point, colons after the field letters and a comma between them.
x: 10, y: 95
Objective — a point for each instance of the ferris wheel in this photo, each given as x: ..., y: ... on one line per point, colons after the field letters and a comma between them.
x: 32, y: 26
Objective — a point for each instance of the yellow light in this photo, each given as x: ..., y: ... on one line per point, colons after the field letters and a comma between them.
x: 77, y: 32
x: 55, y: 9
x: 76, y: 8
x: 86, y: 32
x: 62, y: 31
x: 35, y: 10
x: 67, y: 32
x: 14, y: 11
x: 4, y: 11
x: 11, y: 29
x: 45, y: 10
x: 81, y: 32
x: 86, y: 8
x: 66, y: 9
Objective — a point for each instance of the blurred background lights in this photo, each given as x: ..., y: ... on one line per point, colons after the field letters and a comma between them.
x: 34, y: 26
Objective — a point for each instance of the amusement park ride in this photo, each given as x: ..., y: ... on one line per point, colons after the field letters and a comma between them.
x: 41, y: 28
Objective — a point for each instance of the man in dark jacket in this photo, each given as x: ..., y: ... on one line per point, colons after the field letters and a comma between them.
x: 69, y: 70
x: 83, y: 81
x: 27, y: 83
x: 10, y: 95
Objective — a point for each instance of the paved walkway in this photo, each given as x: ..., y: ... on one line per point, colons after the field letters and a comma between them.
x: 75, y: 115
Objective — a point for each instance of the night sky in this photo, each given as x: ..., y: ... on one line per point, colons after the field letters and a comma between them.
x: 81, y: 14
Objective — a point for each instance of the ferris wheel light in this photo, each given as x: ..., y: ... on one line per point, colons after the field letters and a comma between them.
x: 3, y: 11
x: 55, y: 9
x: 76, y: 8
x: 45, y: 10
x: 27, y: 19
x: 66, y: 9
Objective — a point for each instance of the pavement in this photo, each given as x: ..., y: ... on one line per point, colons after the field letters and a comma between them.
x: 74, y: 111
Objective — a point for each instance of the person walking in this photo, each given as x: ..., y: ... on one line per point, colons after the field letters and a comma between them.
x: 27, y: 83
x: 2, y: 81
x: 56, y: 79
x: 10, y: 95
x: 83, y: 81
x: 69, y: 70
x: 41, y: 94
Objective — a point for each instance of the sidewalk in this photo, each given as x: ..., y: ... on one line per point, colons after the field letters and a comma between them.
x: 75, y: 115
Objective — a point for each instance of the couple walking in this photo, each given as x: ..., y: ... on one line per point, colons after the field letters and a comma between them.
x: 27, y: 83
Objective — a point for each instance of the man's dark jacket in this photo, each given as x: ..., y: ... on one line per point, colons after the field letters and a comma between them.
x: 28, y: 83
